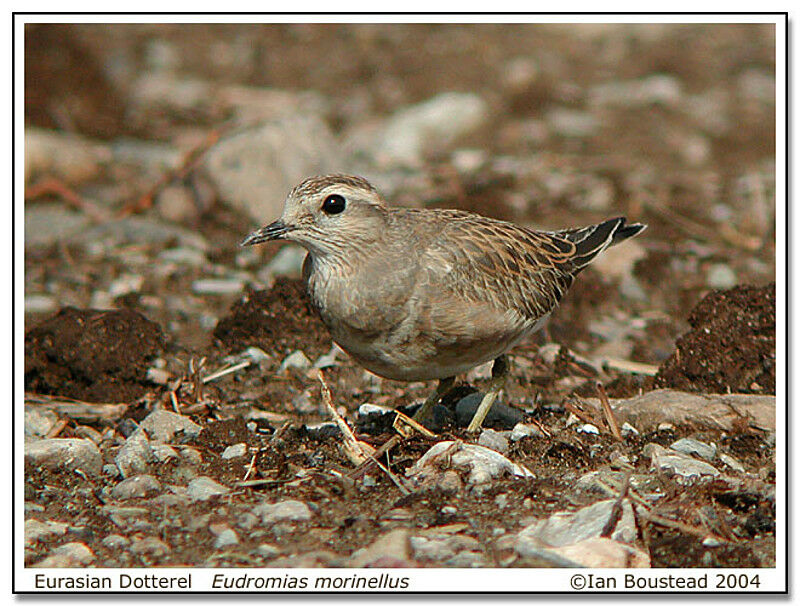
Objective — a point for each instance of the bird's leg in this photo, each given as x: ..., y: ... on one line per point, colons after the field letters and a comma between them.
x: 442, y: 388
x: 500, y: 371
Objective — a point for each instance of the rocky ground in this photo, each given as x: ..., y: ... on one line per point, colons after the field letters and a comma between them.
x: 174, y: 411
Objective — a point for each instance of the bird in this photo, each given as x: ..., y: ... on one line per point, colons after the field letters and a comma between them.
x: 417, y: 294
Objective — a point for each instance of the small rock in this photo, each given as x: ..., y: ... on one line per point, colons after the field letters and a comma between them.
x: 267, y: 550
x: 495, y: 440
x: 291, y: 510
x: 441, y: 548
x: 450, y: 482
x: 39, y: 421
x: 628, y: 430
x: 296, y: 359
x: 392, y: 546
x: 164, y: 426
x: 136, y: 487
x: 135, y: 455
x: 69, y: 156
x: 235, y: 450
x: 588, y: 428
x: 731, y: 462
x: 225, y: 538
x: 217, y: 286
x: 369, y: 409
x: 673, y: 463
x: 41, y: 531
x: 483, y: 463
x: 431, y: 125
x: 39, y: 304
x: 689, y: 446
x: 183, y: 255
x: 69, y: 555
x: 175, y: 203
x: 191, y: 455
x: 204, y: 488
x: 116, y: 541
x: 467, y: 559
x: 566, y: 528
x: 600, y: 552
x: 720, y: 276
x: 288, y: 263
x: 572, y: 123
x: 149, y: 546
x: 164, y: 453
x: 500, y: 415
x: 522, y: 430
x: 65, y: 453
x: 47, y: 225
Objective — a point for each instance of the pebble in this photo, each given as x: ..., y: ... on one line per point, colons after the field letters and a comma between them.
x: 39, y: 421
x: 166, y: 426
x: 46, y: 225
x: 69, y: 555
x: 690, y: 446
x: 500, y: 415
x: 217, y: 286
x: 38, y: 531
x: 225, y: 538
x: 71, y: 157
x: 139, y: 231
x: 150, y: 546
x: 484, y: 464
x: 431, y: 125
x: 391, y: 547
x: 288, y: 263
x: 65, y: 453
x: 450, y: 482
x: 628, y: 430
x: 438, y: 549
x: 566, y: 528
x: 495, y: 440
x: 116, y: 541
x: 572, y: 123
x: 291, y: 510
x: 600, y: 552
x: 135, y: 455
x: 136, y: 487
x: 267, y: 550
x: 176, y: 203
x: 731, y: 462
x: 39, y: 304
x: 296, y: 359
x: 234, y: 451
x: 163, y: 452
x: 204, y: 488
x: 686, y: 468
x: 721, y: 276
x: 191, y: 455
x: 467, y: 559
x: 183, y: 255
x: 588, y: 428
x: 522, y: 430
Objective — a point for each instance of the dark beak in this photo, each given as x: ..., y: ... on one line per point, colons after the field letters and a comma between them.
x: 274, y: 231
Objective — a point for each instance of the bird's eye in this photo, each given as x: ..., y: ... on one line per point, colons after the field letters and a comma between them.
x: 333, y: 204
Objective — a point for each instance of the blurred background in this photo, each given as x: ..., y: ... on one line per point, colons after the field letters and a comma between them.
x: 151, y: 150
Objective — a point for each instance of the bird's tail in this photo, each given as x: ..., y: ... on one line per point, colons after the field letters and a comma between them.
x: 592, y: 240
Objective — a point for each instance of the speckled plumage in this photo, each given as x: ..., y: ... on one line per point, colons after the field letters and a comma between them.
x: 420, y: 294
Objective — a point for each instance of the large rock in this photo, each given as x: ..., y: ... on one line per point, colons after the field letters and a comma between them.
x: 65, y: 453
x: 255, y: 168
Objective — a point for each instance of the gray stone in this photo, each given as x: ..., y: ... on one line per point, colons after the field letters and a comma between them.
x: 499, y: 415
x: 135, y: 455
x: 38, y: 304
x: 496, y: 440
x: 183, y: 255
x: 43, y: 531
x: 291, y: 510
x: 149, y: 546
x: 255, y: 168
x: 672, y: 463
x: 165, y: 426
x: 721, y: 276
x: 731, y: 462
x: 69, y: 555
x: 467, y: 559
x: 225, y: 538
x: 56, y: 153
x: 267, y: 550
x: 139, y: 231
x: 441, y: 548
x: 38, y: 421
x: 430, y: 126
x: 45, y: 225
x: 116, y: 541
x: 204, y: 488
x: 163, y: 452
x: 572, y: 123
x: 567, y: 527
x: 65, y: 453
x: 175, y: 203
x: 392, y: 547
x: 136, y: 487
x: 522, y: 430
x: 659, y: 89
x: 296, y: 359
x: 484, y: 464
x: 600, y: 552
x: 234, y: 451
x: 690, y: 446
x: 218, y: 286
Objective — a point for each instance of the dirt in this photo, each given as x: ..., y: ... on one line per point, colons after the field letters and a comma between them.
x: 731, y: 347
x: 97, y: 356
